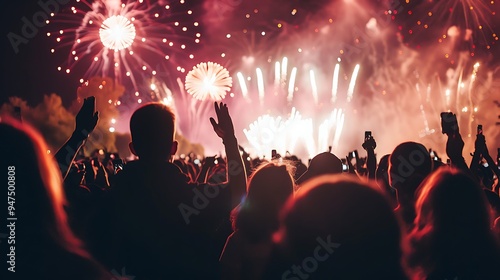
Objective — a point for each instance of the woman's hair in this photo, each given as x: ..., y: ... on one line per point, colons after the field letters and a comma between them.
x: 452, y: 229
x: 269, y: 187
x: 348, y: 224
x: 42, y: 228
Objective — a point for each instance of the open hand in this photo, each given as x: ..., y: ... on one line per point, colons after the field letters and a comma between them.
x: 224, y: 128
x: 87, y: 117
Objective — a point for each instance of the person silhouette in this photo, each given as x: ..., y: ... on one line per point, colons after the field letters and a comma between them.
x: 409, y: 164
x: 452, y: 236
x: 337, y: 227
x: 164, y: 224
x: 248, y: 248
x: 42, y: 244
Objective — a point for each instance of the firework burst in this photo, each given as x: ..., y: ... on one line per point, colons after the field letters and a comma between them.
x: 464, y: 24
x: 208, y: 80
x: 126, y: 41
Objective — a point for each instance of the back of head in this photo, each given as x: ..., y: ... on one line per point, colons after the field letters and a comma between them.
x: 42, y: 231
x: 346, y: 226
x: 452, y: 226
x: 152, y: 128
x: 322, y: 164
x: 382, y: 169
x: 409, y: 164
x: 269, y: 187
x: 452, y: 203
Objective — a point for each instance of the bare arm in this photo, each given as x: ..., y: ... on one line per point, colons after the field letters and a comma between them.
x: 86, y: 120
x: 371, y: 162
x: 236, y: 173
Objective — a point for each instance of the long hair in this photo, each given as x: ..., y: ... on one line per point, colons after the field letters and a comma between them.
x: 41, y: 218
x: 347, y: 226
x: 452, y: 234
x: 269, y: 187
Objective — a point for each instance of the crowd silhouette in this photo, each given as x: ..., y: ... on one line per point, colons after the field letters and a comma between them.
x: 162, y: 216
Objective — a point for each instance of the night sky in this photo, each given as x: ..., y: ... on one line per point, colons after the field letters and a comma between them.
x: 28, y: 73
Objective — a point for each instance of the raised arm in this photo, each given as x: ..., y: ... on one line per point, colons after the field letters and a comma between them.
x: 236, y: 173
x: 371, y: 162
x: 454, y: 149
x: 483, y: 149
x: 86, y: 120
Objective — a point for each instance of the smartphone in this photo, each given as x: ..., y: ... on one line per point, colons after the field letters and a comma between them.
x: 117, y: 165
x: 449, y: 123
x: 479, y: 129
x: 368, y: 135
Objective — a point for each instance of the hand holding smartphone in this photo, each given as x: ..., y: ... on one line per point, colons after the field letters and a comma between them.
x: 117, y: 165
x: 449, y: 124
x: 274, y: 154
x: 368, y: 135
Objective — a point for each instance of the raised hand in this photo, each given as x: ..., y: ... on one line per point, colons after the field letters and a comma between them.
x: 87, y: 117
x: 224, y: 128
x: 480, y: 145
x: 369, y: 144
x: 454, y: 146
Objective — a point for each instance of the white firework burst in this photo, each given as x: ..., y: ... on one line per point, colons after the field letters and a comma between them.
x: 208, y: 80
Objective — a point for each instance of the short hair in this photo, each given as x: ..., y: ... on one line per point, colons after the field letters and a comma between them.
x: 408, y: 162
x: 152, y: 128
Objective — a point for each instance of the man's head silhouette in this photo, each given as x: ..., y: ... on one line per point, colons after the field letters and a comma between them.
x: 152, y: 128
